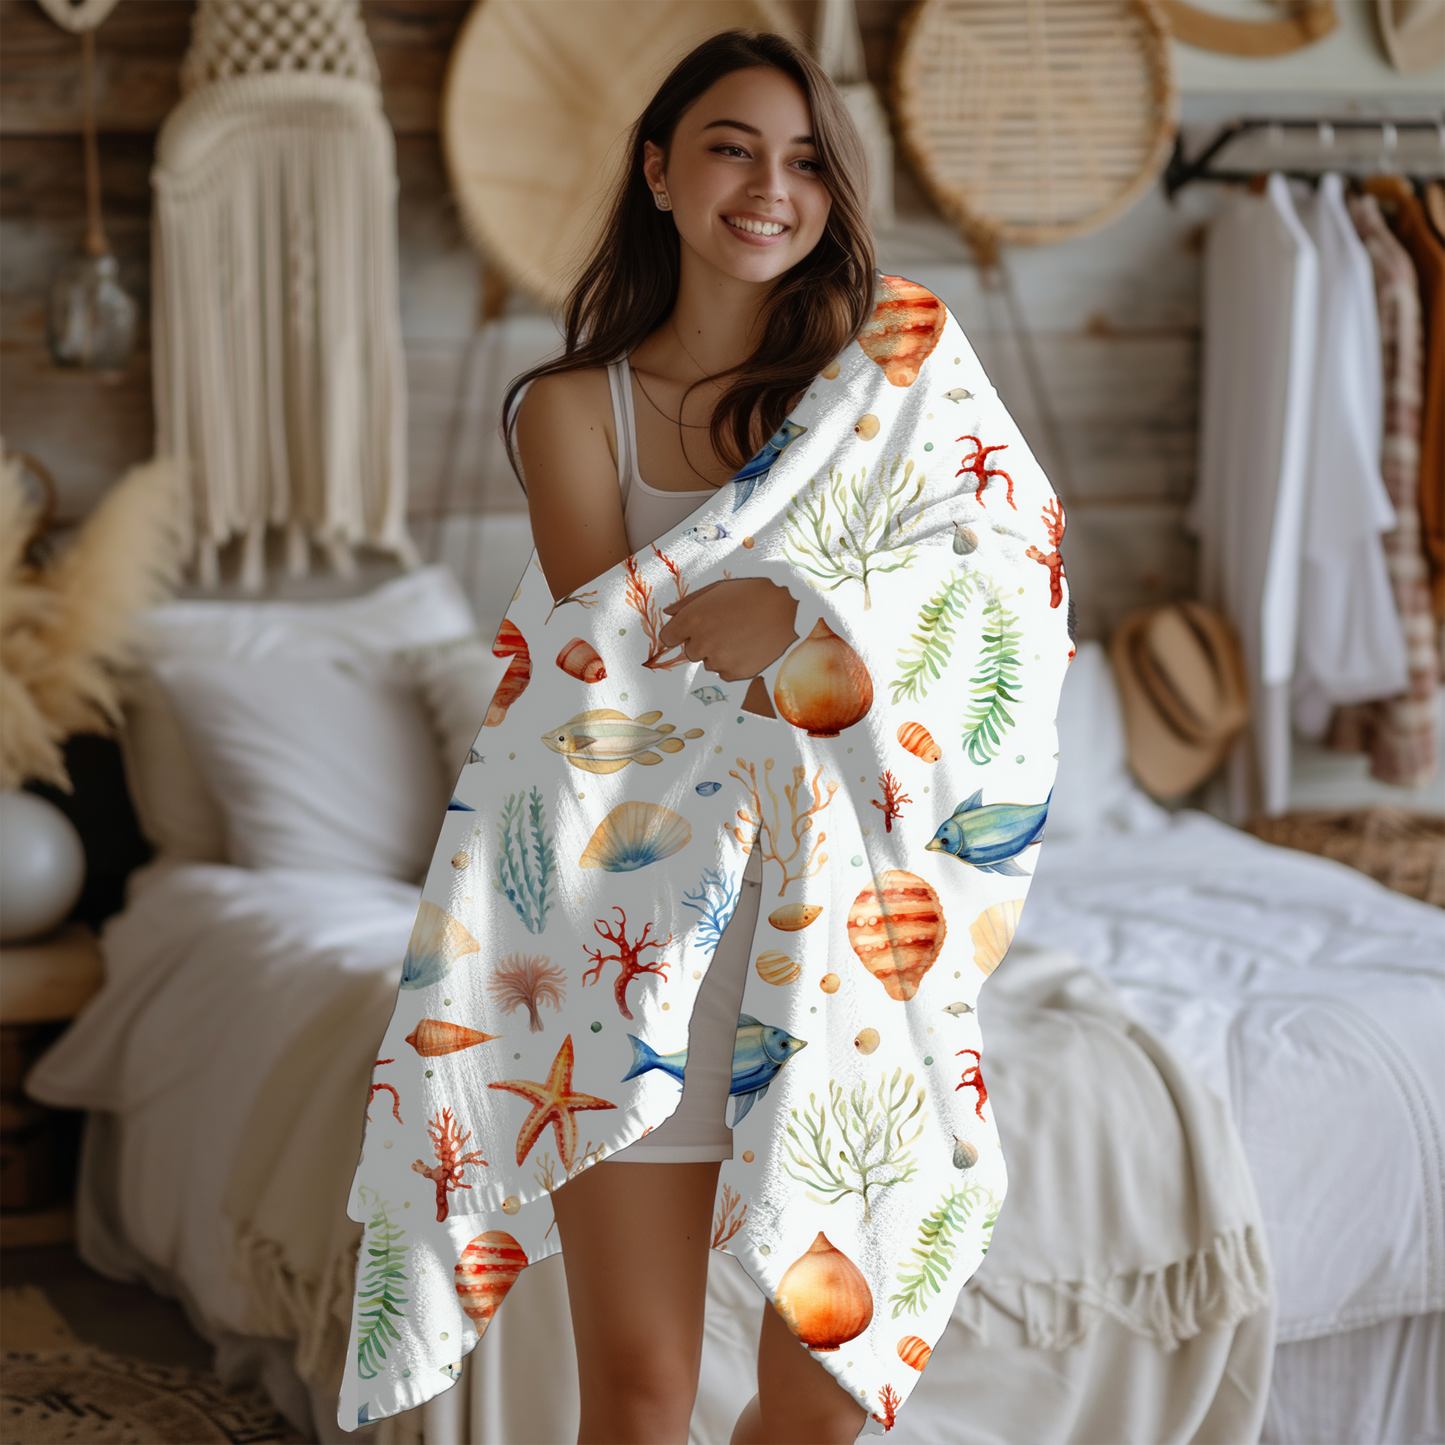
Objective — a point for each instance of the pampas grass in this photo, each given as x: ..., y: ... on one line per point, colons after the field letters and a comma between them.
x: 66, y: 629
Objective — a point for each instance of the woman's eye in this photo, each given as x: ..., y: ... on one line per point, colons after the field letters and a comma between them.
x: 815, y: 167
x: 738, y: 150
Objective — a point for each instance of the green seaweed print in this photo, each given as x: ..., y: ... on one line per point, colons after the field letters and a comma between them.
x: 938, y: 1236
x: 873, y: 1153
x: 872, y: 516
x: 995, y: 685
x: 528, y: 878
x: 928, y: 650
x: 379, y: 1296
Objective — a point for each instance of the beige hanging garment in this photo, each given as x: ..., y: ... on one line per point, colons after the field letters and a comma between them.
x: 280, y: 383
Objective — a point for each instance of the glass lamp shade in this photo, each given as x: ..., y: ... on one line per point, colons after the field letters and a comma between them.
x: 42, y: 866
x: 92, y: 317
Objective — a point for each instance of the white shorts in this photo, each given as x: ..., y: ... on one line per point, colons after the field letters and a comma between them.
x: 697, y: 1131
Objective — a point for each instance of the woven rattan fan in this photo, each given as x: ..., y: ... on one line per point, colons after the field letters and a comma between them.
x: 1034, y: 120
x: 538, y: 102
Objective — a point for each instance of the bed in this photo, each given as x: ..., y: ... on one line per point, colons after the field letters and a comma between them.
x: 1214, y: 1065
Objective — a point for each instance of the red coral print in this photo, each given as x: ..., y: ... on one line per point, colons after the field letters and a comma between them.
x: 447, y: 1140
x: 889, y: 1399
x: 1054, y: 521
x: 973, y: 1079
x: 627, y: 955
x: 377, y: 1088
x: 893, y: 799
x: 638, y: 597
x: 977, y: 466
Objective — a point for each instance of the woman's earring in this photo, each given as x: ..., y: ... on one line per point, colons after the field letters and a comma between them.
x: 663, y: 204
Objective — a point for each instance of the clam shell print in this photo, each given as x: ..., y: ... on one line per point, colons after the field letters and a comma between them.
x: 633, y: 835
x: 609, y: 827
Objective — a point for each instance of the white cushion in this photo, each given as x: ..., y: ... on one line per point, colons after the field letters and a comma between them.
x: 175, y: 807
x: 457, y: 680
x: 1093, y: 791
x: 326, y: 763
x: 427, y: 605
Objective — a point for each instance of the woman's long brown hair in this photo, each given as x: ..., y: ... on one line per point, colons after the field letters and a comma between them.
x: 629, y: 286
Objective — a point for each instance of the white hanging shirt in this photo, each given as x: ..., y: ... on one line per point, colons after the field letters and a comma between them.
x: 1261, y: 298
x: 1351, y: 644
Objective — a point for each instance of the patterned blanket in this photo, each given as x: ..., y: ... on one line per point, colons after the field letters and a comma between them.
x: 893, y: 771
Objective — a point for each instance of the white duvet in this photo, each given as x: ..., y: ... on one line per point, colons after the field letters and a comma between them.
x: 1312, y: 999
x: 231, y: 1042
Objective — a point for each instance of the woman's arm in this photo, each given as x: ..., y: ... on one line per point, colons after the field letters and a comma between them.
x: 572, y: 492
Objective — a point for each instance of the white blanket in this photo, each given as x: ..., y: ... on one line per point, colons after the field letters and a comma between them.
x: 236, y: 1153
x: 1313, y: 1000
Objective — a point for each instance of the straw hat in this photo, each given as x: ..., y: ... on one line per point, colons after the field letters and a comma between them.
x: 1182, y: 685
x: 1413, y: 32
x: 536, y: 110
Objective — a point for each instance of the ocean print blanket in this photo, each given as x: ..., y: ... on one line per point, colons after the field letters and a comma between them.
x: 892, y: 769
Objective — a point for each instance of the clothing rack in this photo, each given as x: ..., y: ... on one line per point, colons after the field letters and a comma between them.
x: 1426, y: 161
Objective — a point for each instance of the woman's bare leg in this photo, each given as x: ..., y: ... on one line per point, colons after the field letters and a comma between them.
x: 798, y: 1401
x: 635, y: 1240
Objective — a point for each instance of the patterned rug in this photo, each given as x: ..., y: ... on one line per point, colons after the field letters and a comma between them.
x: 56, y: 1390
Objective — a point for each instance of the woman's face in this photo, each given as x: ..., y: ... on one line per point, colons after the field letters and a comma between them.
x: 743, y: 175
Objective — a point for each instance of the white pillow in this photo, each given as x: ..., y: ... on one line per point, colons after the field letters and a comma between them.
x: 324, y: 763
x: 427, y: 605
x: 176, y: 809
x: 1093, y: 782
x: 457, y: 680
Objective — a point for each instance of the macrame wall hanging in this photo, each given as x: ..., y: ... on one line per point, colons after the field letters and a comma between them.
x: 280, y: 384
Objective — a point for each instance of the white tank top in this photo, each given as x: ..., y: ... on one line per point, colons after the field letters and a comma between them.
x: 647, y: 511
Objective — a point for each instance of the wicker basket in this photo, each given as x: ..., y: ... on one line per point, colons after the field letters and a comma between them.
x: 1034, y: 120
x: 1404, y: 851
x: 538, y: 103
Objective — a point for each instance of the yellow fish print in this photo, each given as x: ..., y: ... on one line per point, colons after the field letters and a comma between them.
x: 603, y: 740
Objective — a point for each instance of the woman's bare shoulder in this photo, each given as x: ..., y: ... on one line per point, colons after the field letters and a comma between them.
x: 581, y: 395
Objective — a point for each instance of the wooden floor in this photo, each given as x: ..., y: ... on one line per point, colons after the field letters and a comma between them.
x: 126, y: 1319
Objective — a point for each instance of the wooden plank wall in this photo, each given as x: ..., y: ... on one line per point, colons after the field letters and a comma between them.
x: 1113, y: 317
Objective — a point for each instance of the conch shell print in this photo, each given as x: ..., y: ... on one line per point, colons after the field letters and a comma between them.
x: 488, y: 1268
x: 903, y: 330
x: 897, y: 928
x: 509, y: 643
x: 581, y: 660
x: 824, y: 1298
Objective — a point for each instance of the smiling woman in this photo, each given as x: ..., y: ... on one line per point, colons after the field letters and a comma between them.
x: 736, y: 264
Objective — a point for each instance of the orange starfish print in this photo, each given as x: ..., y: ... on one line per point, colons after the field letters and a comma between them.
x: 552, y: 1103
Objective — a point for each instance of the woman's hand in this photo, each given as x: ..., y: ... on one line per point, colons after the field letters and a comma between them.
x: 735, y: 628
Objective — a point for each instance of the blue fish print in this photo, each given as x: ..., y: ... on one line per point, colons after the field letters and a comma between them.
x: 457, y: 806
x: 709, y: 694
x: 711, y: 532
x: 706, y: 790
x: 989, y: 838
x: 754, y: 471
x: 759, y: 1051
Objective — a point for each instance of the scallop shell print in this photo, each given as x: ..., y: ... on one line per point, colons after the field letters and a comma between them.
x: 993, y: 931
x: 633, y: 835
x: 437, y: 941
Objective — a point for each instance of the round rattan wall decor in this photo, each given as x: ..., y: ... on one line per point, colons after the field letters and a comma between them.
x: 1034, y: 120
x: 536, y: 109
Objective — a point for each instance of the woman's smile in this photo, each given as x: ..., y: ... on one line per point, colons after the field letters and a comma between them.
x: 755, y: 230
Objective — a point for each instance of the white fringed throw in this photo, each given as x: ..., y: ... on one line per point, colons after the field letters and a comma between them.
x: 280, y: 382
